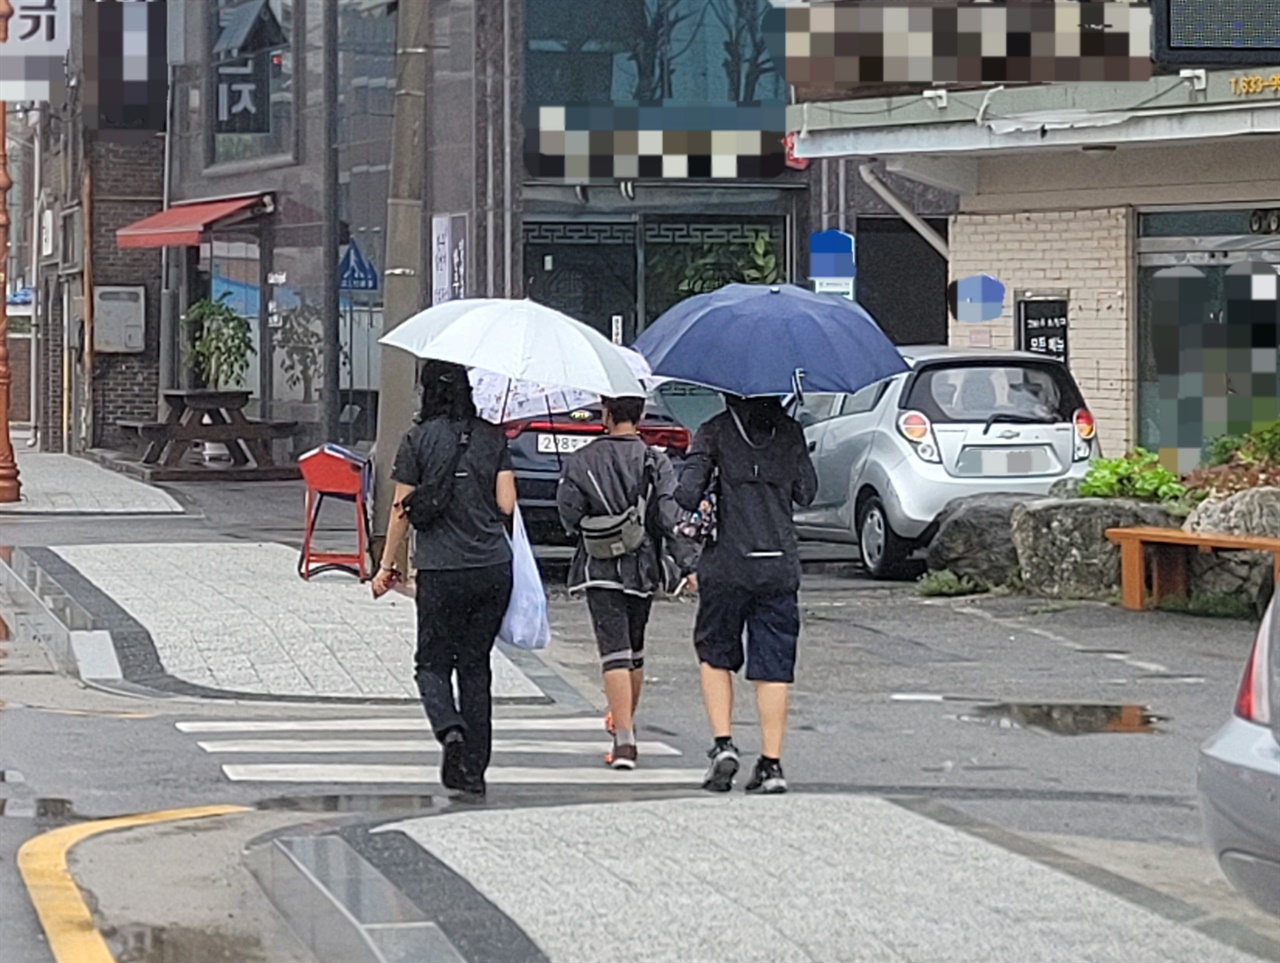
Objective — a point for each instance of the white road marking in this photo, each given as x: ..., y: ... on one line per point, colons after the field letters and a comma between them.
x: 424, y: 746
x: 496, y: 775
x: 387, y: 724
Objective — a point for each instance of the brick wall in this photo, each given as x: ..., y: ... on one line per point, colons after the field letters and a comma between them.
x: 20, y: 375
x: 128, y: 180
x: 51, y: 377
x: 1088, y: 252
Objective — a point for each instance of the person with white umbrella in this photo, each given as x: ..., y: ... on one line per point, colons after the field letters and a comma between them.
x: 455, y: 487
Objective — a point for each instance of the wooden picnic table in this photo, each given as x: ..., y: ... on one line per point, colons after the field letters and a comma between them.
x: 169, y: 441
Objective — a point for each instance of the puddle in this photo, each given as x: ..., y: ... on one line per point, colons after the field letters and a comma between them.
x: 347, y: 803
x: 177, y: 944
x: 1067, y: 719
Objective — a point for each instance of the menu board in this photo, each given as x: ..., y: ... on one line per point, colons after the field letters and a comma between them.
x: 1042, y: 327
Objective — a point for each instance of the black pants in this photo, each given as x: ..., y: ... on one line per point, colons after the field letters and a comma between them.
x: 459, y: 615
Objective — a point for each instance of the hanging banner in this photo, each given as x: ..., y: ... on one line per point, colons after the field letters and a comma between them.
x: 441, y: 289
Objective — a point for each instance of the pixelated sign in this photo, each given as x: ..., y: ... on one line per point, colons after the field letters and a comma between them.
x: 32, y: 59
x: 975, y: 299
x: 831, y: 255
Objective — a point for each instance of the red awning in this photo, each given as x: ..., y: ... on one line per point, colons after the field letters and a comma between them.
x: 183, y: 225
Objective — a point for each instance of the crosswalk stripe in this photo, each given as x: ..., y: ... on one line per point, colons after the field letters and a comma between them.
x: 496, y: 775
x: 386, y: 724
x: 423, y: 746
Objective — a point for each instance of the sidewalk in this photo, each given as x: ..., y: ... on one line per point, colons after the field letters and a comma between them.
x: 803, y: 877
x: 67, y: 485
x: 238, y: 618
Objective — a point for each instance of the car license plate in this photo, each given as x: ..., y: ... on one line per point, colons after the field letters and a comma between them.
x: 1012, y: 462
x: 562, y: 444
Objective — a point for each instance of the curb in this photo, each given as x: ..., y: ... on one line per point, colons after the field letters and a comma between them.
x: 385, y: 927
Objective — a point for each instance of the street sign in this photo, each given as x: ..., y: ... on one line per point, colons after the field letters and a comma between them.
x: 831, y: 255
x: 1042, y: 326
x: 841, y: 286
x: 355, y: 273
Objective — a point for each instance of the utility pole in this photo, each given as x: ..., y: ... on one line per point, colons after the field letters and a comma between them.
x: 10, y: 487
x: 404, y: 283
x: 331, y: 326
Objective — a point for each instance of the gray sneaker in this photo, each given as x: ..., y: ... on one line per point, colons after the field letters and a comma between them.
x: 724, y: 766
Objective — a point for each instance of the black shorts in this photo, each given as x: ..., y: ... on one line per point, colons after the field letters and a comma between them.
x: 619, y: 621
x: 772, y: 624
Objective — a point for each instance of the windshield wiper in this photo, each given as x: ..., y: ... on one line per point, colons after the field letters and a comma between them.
x: 1017, y: 419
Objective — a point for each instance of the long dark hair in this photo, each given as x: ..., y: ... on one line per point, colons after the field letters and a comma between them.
x: 759, y: 416
x: 446, y: 392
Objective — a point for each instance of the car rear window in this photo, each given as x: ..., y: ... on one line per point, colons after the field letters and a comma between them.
x: 977, y: 391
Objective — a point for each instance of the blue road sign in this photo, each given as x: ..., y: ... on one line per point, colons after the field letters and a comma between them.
x: 831, y: 255
x: 355, y: 272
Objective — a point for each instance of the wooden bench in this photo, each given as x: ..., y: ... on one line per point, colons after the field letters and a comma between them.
x: 1171, y: 548
x: 160, y: 435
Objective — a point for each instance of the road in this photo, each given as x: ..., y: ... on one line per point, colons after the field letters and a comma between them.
x: 930, y: 703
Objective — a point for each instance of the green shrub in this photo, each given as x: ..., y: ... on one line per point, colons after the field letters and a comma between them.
x: 1254, y: 463
x: 1138, y: 475
x: 946, y: 584
x: 1209, y: 606
x: 1221, y: 449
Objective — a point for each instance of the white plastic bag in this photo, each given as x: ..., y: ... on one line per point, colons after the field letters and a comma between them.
x: 525, y: 625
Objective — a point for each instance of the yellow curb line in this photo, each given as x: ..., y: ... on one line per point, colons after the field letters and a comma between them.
x: 66, y: 918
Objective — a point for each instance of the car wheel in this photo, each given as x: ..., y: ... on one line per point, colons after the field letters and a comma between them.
x: 884, y: 552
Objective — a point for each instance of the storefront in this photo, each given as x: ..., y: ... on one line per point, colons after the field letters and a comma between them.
x: 1128, y: 210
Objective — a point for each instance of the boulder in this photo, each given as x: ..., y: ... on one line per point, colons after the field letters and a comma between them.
x: 975, y: 538
x: 1065, y: 488
x: 1247, y: 576
x: 1063, y: 551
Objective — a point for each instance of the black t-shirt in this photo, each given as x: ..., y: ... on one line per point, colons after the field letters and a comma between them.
x: 470, y: 533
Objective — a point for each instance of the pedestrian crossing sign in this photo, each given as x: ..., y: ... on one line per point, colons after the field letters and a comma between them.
x: 355, y: 271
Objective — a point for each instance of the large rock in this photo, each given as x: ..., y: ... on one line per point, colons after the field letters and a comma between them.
x: 975, y: 538
x: 1062, y: 548
x: 1247, y: 576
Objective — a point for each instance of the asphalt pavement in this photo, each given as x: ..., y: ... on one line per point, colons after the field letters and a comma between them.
x: 993, y: 778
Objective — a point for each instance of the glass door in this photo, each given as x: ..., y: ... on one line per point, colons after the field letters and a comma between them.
x: 1208, y: 330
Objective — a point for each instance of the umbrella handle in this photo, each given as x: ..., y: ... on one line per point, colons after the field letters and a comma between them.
x: 797, y: 384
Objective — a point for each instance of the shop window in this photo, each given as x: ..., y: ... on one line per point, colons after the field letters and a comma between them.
x: 1207, y: 341
x: 252, y: 90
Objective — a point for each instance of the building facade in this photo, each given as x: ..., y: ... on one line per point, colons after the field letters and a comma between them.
x: 1141, y: 206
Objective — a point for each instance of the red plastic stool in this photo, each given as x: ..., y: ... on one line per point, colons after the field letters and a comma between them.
x: 334, y: 472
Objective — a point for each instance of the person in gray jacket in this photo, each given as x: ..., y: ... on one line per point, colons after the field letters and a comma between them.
x: 607, y: 477
x: 754, y: 461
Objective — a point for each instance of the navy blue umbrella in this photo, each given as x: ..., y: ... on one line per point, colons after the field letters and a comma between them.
x: 755, y: 339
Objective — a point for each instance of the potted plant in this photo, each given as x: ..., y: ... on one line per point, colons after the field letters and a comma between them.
x: 221, y: 345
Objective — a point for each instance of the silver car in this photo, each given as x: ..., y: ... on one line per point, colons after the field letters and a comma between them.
x: 960, y: 422
x: 1239, y: 777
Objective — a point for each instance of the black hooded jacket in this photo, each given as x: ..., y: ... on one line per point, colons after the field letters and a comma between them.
x: 757, y: 461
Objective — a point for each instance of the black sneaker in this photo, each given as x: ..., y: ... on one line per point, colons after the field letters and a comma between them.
x: 451, y: 768
x: 724, y: 766
x: 767, y: 778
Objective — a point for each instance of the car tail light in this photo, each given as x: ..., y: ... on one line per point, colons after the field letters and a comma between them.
x: 917, y: 429
x: 1086, y: 430
x: 666, y: 437
x: 1253, y: 701
x: 514, y: 429
x: 566, y: 428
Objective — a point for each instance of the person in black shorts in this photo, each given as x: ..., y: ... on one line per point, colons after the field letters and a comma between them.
x: 607, y: 477
x: 754, y: 459
x: 462, y: 562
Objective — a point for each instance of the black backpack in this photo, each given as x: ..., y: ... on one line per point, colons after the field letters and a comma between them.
x: 426, y: 503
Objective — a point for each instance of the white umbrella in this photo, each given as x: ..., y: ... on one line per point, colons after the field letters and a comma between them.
x: 521, y: 340
x: 500, y: 399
